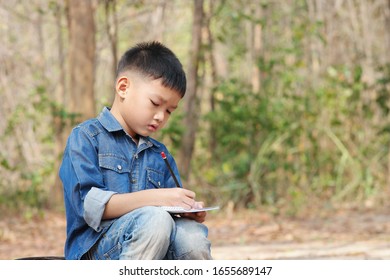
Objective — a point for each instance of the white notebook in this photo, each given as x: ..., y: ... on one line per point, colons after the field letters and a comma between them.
x: 178, y: 210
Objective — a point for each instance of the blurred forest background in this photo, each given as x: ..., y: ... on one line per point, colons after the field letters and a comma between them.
x: 287, y: 107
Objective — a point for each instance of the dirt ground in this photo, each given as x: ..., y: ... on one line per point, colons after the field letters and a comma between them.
x: 344, y: 234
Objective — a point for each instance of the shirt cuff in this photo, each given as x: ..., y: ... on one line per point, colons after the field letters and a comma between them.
x: 94, y: 205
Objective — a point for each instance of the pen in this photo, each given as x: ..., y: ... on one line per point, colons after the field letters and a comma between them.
x: 170, y: 169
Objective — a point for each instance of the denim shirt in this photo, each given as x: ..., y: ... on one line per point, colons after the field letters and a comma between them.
x: 101, y: 159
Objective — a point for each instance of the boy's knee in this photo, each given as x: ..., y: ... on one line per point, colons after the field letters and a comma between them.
x: 191, y: 241
x: 199, y: 246
x: 150, y: 234
x: 158, y: 222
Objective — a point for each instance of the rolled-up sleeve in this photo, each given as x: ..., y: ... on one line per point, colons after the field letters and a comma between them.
x: 94, y: 205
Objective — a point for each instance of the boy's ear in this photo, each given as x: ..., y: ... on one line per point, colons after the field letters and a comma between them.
x: 122, y: 84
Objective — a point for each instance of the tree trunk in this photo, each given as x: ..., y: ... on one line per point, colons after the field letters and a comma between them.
x: 81, y: 58
x: 387, y: 22
x: 387, y: 25
x: 191, y: 105
x: 111, y: 23
x: 256, y: 49
x: 157, y: 21
x: 60, y: 138
x: 214, y: 78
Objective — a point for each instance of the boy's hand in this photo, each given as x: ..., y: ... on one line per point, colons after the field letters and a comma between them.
x: 183, y: 198
x: 200, y: 217
x: 177, y: 197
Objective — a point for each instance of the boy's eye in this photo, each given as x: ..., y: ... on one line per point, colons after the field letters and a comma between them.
x: 154, y: 103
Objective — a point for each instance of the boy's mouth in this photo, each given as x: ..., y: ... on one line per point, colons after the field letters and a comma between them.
x: 153, y: 127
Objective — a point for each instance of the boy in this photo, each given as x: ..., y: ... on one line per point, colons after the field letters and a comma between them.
x: 114, y: 177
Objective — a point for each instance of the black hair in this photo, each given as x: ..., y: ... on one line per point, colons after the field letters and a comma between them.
x: 156, y: 61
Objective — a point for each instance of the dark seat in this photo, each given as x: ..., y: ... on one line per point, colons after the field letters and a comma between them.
x: 43, y: 258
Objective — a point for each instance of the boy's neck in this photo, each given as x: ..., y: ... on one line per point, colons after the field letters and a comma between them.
x: 135, y: 139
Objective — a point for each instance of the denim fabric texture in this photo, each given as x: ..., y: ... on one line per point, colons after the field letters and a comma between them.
x: 151, y: 233
x: 101, y: 159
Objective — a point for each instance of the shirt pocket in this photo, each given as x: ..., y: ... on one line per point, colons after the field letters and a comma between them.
x: 116, y: 172
x: 154, y: 179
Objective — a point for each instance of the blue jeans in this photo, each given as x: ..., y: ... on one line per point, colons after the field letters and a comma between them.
x: 150, y: 233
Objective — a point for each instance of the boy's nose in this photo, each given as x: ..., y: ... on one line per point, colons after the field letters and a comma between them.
x: 159, y: 116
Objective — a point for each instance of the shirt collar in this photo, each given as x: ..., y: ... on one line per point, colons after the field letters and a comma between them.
x: 109, y: 122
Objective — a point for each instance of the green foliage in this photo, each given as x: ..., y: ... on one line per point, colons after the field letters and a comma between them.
x: 311, y: 136
x: 288, y: 151
x: 305, y: 139
x: 172, y: 134
x: 383, y: 97
x: 24, y: 184
x: 28, y: 192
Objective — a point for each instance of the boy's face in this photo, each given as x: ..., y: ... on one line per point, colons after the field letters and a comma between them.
x: 143, y: 106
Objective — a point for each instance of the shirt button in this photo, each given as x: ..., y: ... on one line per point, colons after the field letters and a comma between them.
x: 119, y: 167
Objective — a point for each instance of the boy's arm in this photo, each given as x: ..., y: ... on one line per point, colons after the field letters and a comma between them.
x: 84, y: 191
x: 120, y: 204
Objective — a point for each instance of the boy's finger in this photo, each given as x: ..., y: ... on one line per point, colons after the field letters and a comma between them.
x: 198, y: 204
x: 189, y: 193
